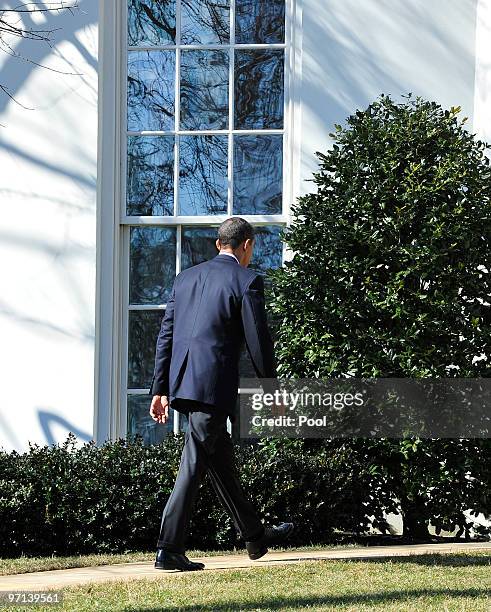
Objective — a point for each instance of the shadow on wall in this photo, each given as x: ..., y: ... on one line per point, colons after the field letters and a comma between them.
x: 354, y: 51
x: 48, y: 419
x: 15, y: 72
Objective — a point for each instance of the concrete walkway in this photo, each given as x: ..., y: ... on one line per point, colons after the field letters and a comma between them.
x: 55, y: 579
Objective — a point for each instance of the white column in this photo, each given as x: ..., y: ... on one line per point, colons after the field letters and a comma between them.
x: 107, y: 395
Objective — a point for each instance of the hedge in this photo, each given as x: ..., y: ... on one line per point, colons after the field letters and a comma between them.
x: 77, y: 499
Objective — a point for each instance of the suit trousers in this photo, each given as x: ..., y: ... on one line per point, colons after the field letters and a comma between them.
x: 208, y: 449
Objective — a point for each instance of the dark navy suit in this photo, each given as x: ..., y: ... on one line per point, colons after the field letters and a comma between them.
x: 214, y: 308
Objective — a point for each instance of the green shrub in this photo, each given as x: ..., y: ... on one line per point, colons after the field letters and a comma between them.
x: 72, y: 499
x: 390, y: 278
x: 63, y: 499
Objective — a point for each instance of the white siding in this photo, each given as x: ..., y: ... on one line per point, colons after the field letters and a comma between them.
x: 482, y: 92
x: 47, y: 232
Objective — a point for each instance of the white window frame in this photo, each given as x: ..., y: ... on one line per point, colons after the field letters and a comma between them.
x: 113, y: 225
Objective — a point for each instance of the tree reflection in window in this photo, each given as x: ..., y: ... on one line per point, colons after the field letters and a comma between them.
x: 151, y: 23
x: 268, y: 249
x: 150, y: 175
x: 259, y: 21
x: 203, y: 162
x: 205, y: 22
x: 143, y: 330
x: 258, y: 89
x: 204, y: 89
x: 258, y: 174
x: 151, y: 90
x: 197, y: 245
x: 152, y: 264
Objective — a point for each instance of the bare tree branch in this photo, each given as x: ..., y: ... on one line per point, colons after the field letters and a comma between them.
x: 15, y: 28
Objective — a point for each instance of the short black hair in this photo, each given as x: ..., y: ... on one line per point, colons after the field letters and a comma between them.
x: 234, y: 231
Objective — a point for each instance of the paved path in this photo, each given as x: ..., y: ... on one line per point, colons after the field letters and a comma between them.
x: 82, y: 575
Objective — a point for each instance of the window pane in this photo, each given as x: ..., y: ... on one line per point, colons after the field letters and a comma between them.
x: 258, y: 174
x: 150, y: 175
x: 152, y: 264
x: 140, y: 422
x: 203, y: 175
x: 151, y: 90
x: 205, y: 22
x: 204, y: 90
x: 268, y: 248
x: 198, y: 245
x: 151, y: 23
x: 258, y: 89
x: 143, y: 329
x: 260, y: 21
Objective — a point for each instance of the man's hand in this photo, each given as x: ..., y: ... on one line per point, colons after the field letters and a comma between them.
x: 159, y: 409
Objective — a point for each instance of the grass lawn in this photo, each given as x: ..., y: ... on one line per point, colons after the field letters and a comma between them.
x: 455, y: 582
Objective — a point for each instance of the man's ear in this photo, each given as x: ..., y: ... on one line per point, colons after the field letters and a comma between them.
x: 217, y: 244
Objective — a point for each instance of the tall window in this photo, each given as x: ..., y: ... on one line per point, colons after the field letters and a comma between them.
x: 205, y: 139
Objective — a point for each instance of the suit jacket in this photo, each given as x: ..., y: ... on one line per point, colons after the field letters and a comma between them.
x: 214, y: 308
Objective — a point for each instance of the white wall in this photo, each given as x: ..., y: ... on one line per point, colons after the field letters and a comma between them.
x: 47, y: 232
x: 482, y: 86
x: 353, y: 50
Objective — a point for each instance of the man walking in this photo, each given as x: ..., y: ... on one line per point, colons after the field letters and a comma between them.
x: 214, y: 307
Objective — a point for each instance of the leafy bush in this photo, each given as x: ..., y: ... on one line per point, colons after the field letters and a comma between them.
x: 387, y: 277
x: 390, y: 278
x: 65, y: 499
x: 69, y: 499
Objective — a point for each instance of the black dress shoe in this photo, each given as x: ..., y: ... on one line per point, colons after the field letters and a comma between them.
x: 272, y: 535
x: 175, y: 561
